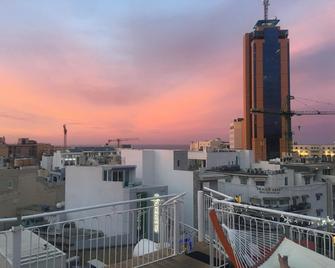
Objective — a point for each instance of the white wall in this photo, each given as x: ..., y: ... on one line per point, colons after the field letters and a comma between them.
x: 46, y: 162
x: 144, y: 172
x: 157, y: 167
x: 57, y: 160
x: 265, y: 165
x: 217, y: 159
x: 87, y: 181
x: 178, y: 181
x: 246, y: 158
x: 84, y: 186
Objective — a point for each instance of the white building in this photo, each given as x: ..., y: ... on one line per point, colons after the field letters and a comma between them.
x: 270, y: 185
x: 46, y: 162
x: 95, y: 185
x: 213, y: 145
x: 202, y: 159
x: 164, y: 167
x: 236, y: 134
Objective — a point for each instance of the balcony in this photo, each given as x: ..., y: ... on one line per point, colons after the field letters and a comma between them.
x: 120, y: 234
x: 298, y: 207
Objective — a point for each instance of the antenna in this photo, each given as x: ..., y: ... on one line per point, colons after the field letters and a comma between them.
x: 266, y: 4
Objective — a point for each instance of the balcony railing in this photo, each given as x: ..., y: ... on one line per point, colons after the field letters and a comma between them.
x: 314, y: 233
x: 122, y: 234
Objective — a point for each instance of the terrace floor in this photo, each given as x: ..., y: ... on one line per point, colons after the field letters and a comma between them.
x: 199, y: 258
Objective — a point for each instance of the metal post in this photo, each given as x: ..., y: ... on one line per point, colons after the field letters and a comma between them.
x: 200, y: 216
x: 211, y: 246
x: 17, y: 238
x: 175, y: 228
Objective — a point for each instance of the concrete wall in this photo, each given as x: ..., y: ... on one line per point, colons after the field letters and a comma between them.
x: 22, y: 188
x: 180, y: 160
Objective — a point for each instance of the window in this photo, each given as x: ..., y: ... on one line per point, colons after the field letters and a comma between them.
x: 244, y: 180
x: 260, y: 183
x: 178, y: 163
x: 270, y: 202
x: 105, y: 175
x: 115, y: 176
x: 120, y: 175
x: 307, y: 180
x: 326, y: 171
x: 286, y: 181
x: 319, y: 212
x: 266, y: 202
x: 284, y: 201
x: 318, y: 196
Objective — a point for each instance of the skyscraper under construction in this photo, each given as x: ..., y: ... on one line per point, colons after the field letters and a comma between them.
x: 267, y: 89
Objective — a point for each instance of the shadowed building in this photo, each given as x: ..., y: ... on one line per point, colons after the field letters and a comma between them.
x: 267, y: 89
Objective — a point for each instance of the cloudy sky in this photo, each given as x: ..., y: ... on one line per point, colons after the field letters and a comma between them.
x: 166, y: 71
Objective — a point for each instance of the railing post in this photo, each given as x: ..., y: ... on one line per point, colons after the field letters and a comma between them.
x: 17, y: 239
x: 200, y: 216
x: 175, y: 227
x: 211, y: 246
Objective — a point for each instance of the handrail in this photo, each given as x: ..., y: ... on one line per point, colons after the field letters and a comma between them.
x: 61, y: 212
x: 218, y: 193
x: 173, y: 198
x: 273, y: 211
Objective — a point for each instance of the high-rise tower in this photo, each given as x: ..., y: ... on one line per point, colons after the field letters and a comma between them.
x: 267, y: 88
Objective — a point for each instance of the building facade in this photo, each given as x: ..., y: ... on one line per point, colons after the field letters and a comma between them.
x: 213, y: 145
x: 235, y: 134
x: 325, y: 152
x: 267, y: 90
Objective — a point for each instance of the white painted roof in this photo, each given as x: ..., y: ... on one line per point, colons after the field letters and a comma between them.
x: 33, y: 247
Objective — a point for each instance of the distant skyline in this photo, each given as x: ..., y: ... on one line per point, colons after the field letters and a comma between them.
x: 168, y: 72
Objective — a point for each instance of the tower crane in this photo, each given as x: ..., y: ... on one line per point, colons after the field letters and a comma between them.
x: 292, y: 113
x: 289, y: 114
x: 119, y: 140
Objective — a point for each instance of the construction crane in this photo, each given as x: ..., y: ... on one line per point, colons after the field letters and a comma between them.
x: 292, y: 113
x: 289, y: 114
x: 65, y: 136
x: 119, y: 140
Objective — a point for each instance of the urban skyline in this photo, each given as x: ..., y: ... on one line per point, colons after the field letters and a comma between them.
x: 170, y: 73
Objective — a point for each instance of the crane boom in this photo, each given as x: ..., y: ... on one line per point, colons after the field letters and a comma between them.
x: 299, y: 113
x: 119, y: 140
x: 292, y: 113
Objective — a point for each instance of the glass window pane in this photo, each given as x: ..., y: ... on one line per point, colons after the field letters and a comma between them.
x: 121, y: 175
x: 114, y: 175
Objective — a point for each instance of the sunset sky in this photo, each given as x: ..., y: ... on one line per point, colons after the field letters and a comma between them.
x: 166, y: 71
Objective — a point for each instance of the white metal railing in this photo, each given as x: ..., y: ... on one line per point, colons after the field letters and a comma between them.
x: 130, y: 233
x: 311, y: 232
